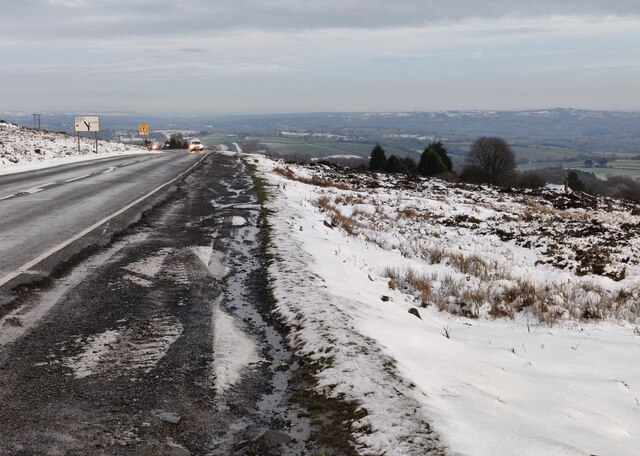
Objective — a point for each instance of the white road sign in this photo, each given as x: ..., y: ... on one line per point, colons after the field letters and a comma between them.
x: 87, y: 123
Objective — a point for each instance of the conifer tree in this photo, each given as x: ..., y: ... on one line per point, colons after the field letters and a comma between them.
x: 378, y: 159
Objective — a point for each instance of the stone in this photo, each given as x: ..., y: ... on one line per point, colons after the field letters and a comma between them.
x: 173, y: 449
x: 414, y: 311
x: 270, y: 439
x: 169, y: 417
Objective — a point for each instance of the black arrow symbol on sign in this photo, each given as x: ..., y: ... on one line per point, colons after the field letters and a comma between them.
x: 88, y: 125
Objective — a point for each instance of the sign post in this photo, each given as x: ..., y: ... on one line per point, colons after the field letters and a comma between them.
x: 87, y: 123
x: 143, y: 130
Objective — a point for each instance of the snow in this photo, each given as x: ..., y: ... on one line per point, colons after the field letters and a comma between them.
x: 238, y: 221
x: 23, y: 149
x: 213, y: 260
x: 547, y: 381
x: 149, y: 266
x: 126, y: 348
x: 336, y: 157
x: 234, y: 350
x: 550, y: 382
x: 86, y: 363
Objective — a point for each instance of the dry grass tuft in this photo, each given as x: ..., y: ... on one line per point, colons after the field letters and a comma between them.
x: 421, y: 284
x: 505, y: 297
x: 286, y: 172
x: 322, y: 182
x: 314, y: 180
x: 408, y: 213
x: 471, y: 265
x: 337, y: 218
x: 325, y: 204
x: 345, y: 222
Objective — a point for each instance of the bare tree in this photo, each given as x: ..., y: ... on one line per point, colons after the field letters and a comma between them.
x: 491, y: 159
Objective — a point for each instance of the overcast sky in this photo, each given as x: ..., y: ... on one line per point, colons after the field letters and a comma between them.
x: 261, y: 56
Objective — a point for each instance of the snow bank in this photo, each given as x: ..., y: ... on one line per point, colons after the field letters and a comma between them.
x: 486, y: 386
x: 24, y: 149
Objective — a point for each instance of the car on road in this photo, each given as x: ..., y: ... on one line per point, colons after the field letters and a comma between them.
x: 195, y: 145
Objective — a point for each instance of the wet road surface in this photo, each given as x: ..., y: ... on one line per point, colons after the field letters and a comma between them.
x: 41, y: 210
x: 157, y: 344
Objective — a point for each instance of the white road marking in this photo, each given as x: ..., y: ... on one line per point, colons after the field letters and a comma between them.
x: 77, y: 178
x: 28, y: 265
x: 108, y: 170
x: 31, y: 191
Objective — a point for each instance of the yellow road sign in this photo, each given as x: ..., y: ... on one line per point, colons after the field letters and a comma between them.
x: 143, y: 129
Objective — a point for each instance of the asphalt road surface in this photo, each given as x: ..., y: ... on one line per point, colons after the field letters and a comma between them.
x: 158, y: 343
x: 42, y: 210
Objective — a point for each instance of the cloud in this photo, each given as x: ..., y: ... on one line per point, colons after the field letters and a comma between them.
x: 69, y: 3
x: 314, y: 55
x: 132, y: 18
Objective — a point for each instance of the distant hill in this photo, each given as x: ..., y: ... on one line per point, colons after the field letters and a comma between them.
x: 576, y: 129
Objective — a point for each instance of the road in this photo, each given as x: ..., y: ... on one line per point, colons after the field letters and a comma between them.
x: 42, y: 210
x: 161, y: 342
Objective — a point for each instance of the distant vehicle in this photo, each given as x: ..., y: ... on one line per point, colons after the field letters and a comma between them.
x: 195, y: 145
x: 167, y: 145
x: 153, y: 145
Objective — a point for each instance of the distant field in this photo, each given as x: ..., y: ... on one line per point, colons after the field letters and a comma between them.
x: 319, y: 147
x: 313, y: 150
x: 221, y: 139
x: 536, y: 153
x: 552, y: 164
x: 629, y: 168
x: 625, y: 164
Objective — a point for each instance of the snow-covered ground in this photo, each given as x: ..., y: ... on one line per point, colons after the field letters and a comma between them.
x: 25, y: 149
x: 527, y: 342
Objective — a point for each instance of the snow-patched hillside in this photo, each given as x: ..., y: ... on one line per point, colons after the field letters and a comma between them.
x: 22, y: 148
x: 529, y: 303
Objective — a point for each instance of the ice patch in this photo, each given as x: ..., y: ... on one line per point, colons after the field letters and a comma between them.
x: 233, y: 350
